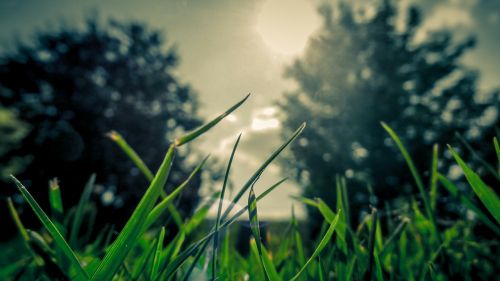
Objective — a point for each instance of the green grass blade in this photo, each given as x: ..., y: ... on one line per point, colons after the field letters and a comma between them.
x: 157, y: 255
x: 497, y: 150
x: 165, y: 203
x: 474, y: 154
x: 322, y: 244
x: 415, y: 175
x: 255, y: 228
x: 122, y: 143
x: 219, y: 209
x: 482, y: 190
x: 269, y: 268
x: 139, y: 163
x: 371, y: 245
x: 77, y: 220
x: 56, y: 205
x: 434, y: 176
x: 261, y: 169
x: 53, y: 231
x: 17, y: 221
x: 201, y: 130
x: 201, y: 244
x: 133, y: 228
x: 465, y: 201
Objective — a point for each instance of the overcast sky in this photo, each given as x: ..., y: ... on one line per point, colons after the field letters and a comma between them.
x: 230, y: 48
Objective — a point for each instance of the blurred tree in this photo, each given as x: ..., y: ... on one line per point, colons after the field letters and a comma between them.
x: 72, y: 86
x: 374, y: 64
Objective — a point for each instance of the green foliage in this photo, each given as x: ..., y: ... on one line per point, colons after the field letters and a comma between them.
x: 369, y: 63
x: 389, y: 244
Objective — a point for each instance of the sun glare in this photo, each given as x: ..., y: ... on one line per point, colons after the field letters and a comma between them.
x: 285, y: 26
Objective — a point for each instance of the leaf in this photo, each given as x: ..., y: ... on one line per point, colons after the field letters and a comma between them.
x: 53, y: 231
x: 322, y: 244
x: 483, y: 191
x: 77, y: 220
x: 255, y: 228
x: 157, y: 255
x: 135, y: 225
x: 196, y: 133
x: 464, y: 200
x: 120, y: 141
x: 164, y: 203
x: 416, y: 177
x: 219, y: 209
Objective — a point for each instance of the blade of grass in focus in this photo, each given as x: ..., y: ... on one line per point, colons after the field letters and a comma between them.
x: 52, y: 229
x: 190, y: 136
x: 219, y: 209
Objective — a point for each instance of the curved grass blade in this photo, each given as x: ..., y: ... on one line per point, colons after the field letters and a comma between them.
x: 219, y: 209
x: 122, y: 143
x: 135, y: 225
x: 255, y: 228
x: 139, y: 163
x: 464, y: 200
x: 201, y: 130
x: 322, y: 244
x: 53, y: 231
x: 474, y: 154
x: 482, y: 190
x: 77, y: 220
x: 416, y: 177
x: 261, y: 169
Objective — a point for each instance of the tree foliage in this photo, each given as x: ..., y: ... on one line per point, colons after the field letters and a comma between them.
x: 74, y: 85
x: 376, y: 64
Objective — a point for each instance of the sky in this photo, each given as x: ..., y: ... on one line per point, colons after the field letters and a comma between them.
x: 231, y: 48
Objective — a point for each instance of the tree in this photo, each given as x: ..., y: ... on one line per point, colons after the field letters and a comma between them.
x: 72, y: 86
x: 362, y: 68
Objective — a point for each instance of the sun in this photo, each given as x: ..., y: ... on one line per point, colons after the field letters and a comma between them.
x: 285, y: 25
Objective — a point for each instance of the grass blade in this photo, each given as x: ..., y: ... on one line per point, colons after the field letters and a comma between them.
x: 77, y: 220
x: 255, y: 228
x: 157, y: 255
x: 219, y: 209
x: 322, y: 244
x: 120, y: 141
x: 261, y: 169
x: 416, y: 177
x: 134, y: 226
x: 165, y: 203
x: 464, y: 200
x: 497, y: 150
x: 201, y: 130
x: 434, y: 176
x: 482, y: 190
x: 53, y: 231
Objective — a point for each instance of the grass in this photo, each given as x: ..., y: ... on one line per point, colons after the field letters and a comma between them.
x: 405, y: 243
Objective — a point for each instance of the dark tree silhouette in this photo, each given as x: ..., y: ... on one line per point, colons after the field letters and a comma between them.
x: 74, y: 85
x: 360, y: 69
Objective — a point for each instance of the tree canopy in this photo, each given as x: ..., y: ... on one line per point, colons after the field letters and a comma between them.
x: 375, y: 64
x: 73, y: 85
